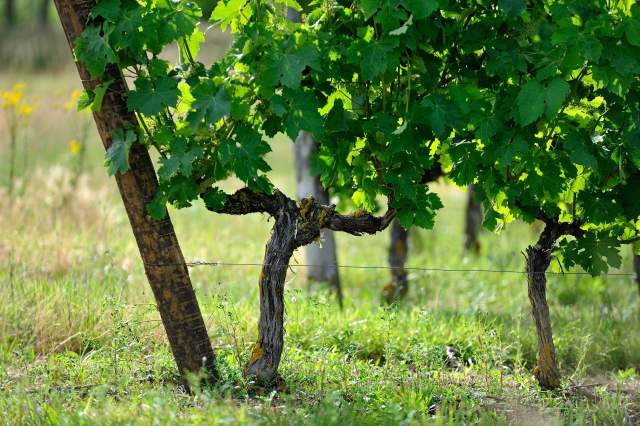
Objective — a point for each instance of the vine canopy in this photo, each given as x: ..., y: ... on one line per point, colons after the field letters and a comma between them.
x: 536, y: 102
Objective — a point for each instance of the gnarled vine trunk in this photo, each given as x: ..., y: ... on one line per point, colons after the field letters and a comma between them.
x: 473, y: 221
x: 398, y: 287
x: 162, y: 257
x: 538, y: 258
x: 322, y: 259
x: 267, y: 351
x: 296, y: 225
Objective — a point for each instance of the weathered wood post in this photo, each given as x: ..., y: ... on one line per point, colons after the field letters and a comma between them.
x: 322, y: 259
x: 163, y: 261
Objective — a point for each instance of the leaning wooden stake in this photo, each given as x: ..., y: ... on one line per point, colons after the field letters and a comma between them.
x: 163, y: 260
x: 538, y: 261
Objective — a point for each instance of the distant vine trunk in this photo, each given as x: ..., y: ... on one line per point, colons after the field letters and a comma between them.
x: 398, y: 287
x: 9, y: 13
x: 322, y: 259
x: 636, y: 267
x: 473, y: 221
x: 538, y: 258
x: 161, y: 254
x: 44, y: 13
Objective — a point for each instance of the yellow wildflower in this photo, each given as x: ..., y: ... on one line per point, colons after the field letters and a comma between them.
x: 10, y: 99
x: 25, y: 110
x: 14, y: 100
x: 19, y: 86
x: 74, y: 146
x: 71, y: 103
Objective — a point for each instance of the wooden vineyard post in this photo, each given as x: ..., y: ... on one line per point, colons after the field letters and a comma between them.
x: 164, y: 263
x: 322, y: 259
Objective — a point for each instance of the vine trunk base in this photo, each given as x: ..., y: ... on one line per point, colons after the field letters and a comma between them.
x: 538, y: 260
x: 267, y: 351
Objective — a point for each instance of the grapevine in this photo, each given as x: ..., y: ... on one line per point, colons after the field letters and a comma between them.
x: 537, y: 104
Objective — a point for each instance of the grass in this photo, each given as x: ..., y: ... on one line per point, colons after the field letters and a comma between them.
x: 81, y: 341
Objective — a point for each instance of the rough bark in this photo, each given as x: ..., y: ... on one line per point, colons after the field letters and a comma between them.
x: 322, y: 259
x: 161, y: 254
x: 296, y: 225
x: 538, y: 259
x: 267, y: 351
x: 473, y: 221
x: 398, y: 287
x: 9, y: 13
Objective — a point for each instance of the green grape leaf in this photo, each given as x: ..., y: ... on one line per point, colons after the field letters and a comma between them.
x: 211, y: 103
x: 530, y: 104
x: 157, y: 208
x: 194, y: 42
x: 244, y: 155
x: 99, y: 91
x: 182, y: 191
x: 92, y: 99
x: 85, y: 100
x: 93, y: 51
x: 288, y: 67
x: 180, y: 161
x: 420, y: 8
x: 227, y: 11
x: 290, y: 3
x: 214, y: 199
x: 578, y: 151
x: 152, y: 97
x: 600, y: 253
x: 555, y: 94
x: 303, y: 114
x: 117, y: 156
x: 364, y: 200
x: 108, y: 9
x: 369, y: 7
x: 513, y: 7
x: 419, y: 211
x: 376, y: 59
x: 632, y: 31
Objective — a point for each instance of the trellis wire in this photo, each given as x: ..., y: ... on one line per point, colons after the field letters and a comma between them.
x: 197, y: 263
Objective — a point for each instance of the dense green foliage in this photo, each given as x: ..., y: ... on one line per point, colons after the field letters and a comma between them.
x: 535, y: 102
x: 81, y: 340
